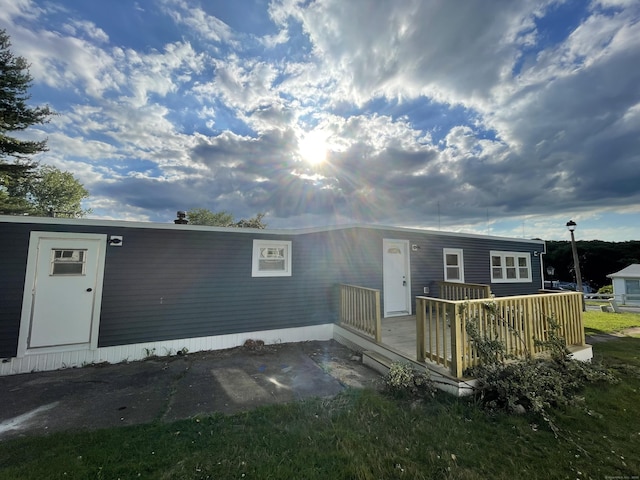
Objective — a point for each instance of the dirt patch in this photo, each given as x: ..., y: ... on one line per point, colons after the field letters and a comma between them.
x: 342, y: 363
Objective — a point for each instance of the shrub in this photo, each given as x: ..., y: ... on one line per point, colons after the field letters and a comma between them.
x: 607, y: 289
x: 532, y: 384
x: 535, y: 385
x: 403, y: 380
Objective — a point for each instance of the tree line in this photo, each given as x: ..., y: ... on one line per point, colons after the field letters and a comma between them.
x: 597, y: 260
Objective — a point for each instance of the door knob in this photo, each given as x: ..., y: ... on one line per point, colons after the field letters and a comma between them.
x: 89, y: 289
x: 404, y: 283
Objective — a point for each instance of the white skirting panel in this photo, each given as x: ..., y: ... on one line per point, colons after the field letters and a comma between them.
x: 583, y: 354
x: 37, y: 362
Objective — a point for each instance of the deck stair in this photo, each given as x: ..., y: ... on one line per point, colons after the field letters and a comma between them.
x: 378, y: 362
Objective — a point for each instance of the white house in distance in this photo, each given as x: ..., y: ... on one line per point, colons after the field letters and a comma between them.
x: 626, y: 285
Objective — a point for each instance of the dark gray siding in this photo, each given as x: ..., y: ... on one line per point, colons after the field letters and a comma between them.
x: 169, y: 284
x: 14, y: 244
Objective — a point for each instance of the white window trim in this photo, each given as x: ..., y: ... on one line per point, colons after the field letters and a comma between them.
x: 503, y: 266
x: 458, y: 252
x: 255, y: 266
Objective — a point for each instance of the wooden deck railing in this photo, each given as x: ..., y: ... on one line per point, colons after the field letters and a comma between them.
x: 517, y: 321
x: 360, y: 309
x: 463, y: 291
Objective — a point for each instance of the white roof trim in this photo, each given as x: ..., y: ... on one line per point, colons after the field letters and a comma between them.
x: 300, y: 231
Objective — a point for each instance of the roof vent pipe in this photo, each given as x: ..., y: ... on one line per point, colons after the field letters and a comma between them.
x: 181, y: 220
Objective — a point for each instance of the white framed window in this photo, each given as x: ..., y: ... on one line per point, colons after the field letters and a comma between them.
x: 67, y: 262
x: 453, y: 265
x: 271, y: 258
x: 632, y: 287
x: 509, y: 267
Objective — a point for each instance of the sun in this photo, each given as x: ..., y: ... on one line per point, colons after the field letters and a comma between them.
x: 313, y: 147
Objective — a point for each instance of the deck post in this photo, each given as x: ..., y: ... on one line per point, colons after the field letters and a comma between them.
x: 457, y: 362
x: 529, y: 318
x: 342, y: 304
x: 420, y: 330
x: 378, y: 332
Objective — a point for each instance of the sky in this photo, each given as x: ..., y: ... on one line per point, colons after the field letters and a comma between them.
x: 491, y: 117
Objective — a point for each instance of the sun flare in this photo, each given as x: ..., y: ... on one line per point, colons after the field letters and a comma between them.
x: 313, y: 147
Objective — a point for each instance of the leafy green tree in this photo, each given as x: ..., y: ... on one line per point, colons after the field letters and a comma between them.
x: 203, y: 216
x: 58, y: 193
x: 15, y: 116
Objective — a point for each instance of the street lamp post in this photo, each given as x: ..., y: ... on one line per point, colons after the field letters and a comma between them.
x: 550, y: 271
x: 571, y: 225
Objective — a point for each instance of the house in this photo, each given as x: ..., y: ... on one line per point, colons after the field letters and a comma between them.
x: 626, y: 285
x: 77, y: 291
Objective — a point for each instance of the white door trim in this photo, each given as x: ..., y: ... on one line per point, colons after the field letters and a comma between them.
x: 407, y: 274
x: 30, y: 289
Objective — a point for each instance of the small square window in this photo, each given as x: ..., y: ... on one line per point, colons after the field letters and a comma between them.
x: 271, y: 258
x: 67, y: 262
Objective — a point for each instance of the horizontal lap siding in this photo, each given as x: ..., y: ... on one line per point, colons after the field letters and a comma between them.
x: 14, y: 244
x: 427, y: 263
x: 477, y: 262
x: 168, y: 285
x: 171, y: 284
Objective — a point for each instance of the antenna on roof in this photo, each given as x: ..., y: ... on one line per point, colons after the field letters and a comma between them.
x: 488, y: 227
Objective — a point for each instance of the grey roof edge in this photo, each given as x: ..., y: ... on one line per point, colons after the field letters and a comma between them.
x: 630, y: 271
x: 297, y: 231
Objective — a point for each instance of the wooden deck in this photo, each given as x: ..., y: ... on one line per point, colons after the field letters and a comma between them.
x: 436, y: 338
x: 399, y: 345
x: 400, y: 333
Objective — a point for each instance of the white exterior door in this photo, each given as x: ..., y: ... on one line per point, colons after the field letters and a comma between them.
x: 396, y: 283
x: 63, y: 290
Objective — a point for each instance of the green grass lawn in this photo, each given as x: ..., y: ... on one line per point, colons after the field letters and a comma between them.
x: 361, y: 435
x: 603, y: 322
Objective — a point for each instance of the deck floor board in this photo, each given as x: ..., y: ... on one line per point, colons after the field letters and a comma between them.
x: 400, y: 334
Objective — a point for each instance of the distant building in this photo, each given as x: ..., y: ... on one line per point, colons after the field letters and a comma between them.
x: 626, y: 285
